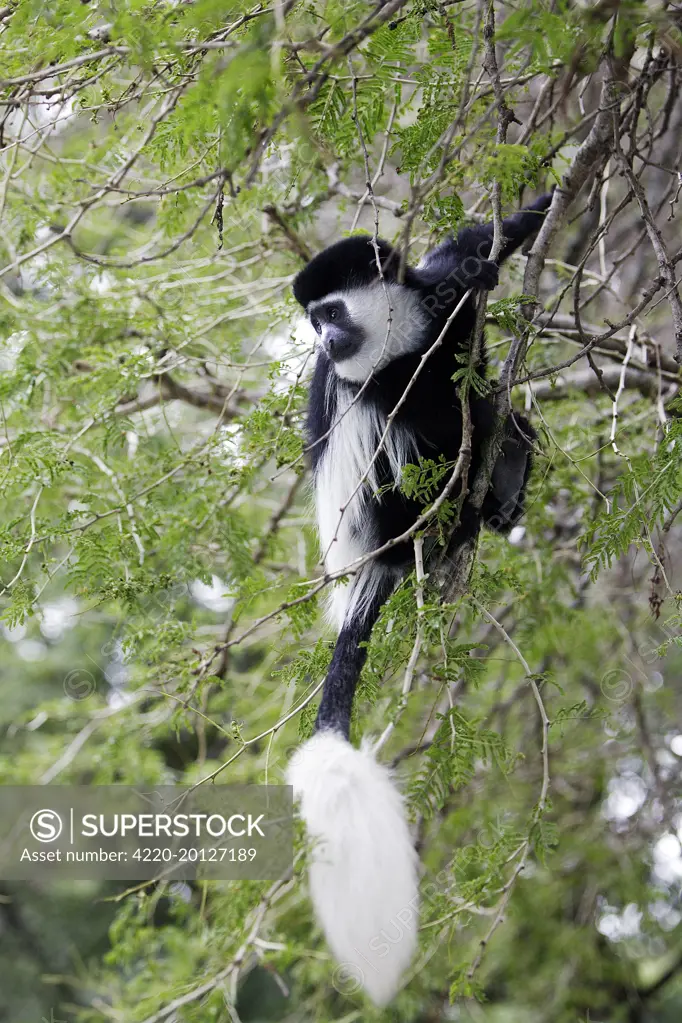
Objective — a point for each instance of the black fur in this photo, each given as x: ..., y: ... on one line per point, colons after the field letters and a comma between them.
x: 349, y: 263
x: 431, y: 412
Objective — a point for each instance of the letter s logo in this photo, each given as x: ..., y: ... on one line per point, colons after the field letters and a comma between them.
x: 46, y: 825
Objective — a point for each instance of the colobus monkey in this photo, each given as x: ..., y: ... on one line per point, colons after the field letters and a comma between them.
x: 373, y: 328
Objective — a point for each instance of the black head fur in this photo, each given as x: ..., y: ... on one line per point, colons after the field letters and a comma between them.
x: 350, y: 263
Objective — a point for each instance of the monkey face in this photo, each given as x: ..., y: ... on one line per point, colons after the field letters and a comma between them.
x: 363, y: 328
x: 340, y: 336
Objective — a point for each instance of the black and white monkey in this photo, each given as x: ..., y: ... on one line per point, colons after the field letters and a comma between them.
x: 372, y: 330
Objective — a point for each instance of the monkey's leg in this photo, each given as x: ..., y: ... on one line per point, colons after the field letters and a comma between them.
x: 504, y: 503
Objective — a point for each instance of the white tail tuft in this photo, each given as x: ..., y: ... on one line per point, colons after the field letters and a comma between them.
x: 363, y: 873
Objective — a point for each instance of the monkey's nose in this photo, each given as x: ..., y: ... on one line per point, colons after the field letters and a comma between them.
x: 338, y: 347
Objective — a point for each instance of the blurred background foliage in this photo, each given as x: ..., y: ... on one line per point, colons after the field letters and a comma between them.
x: 165, y: 169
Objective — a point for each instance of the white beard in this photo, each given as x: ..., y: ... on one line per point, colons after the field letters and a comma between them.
x: 351, y: 445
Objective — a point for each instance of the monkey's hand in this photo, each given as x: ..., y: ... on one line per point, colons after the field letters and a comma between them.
x: 482, y: 274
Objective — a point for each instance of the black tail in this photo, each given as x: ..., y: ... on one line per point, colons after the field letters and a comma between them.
x: 350, y: 653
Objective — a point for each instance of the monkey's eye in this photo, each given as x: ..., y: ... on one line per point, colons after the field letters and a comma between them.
x: 333, y: 312
x: 317, y: 326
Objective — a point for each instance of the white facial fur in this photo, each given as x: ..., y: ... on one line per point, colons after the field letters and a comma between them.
x: 368, y: 307
x: 352, y: 442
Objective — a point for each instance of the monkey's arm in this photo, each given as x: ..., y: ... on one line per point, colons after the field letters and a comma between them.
x: 464, y: 259
x: 478, y: 241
